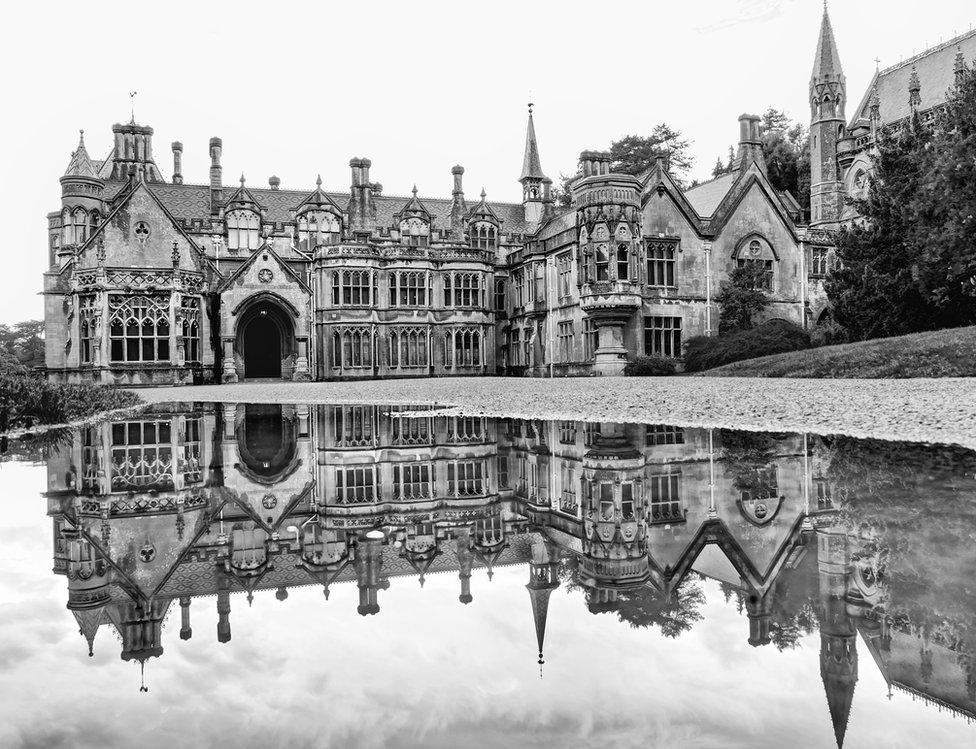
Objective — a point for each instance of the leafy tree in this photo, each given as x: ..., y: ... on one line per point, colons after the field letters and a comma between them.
x: 644, y: 607
x: 786, y: 148
x: 875, y: 290
x: 742, y: 297
x: 21, y: 346
x: 636, y: 154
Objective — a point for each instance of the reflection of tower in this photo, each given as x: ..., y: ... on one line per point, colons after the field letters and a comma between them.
x: 87, y: 584
x: 759, y: 609
x: 141, y: 626
x: 223, y: 608
x: 465, y: 558
x: 543, y: 579
x: 838, y: 636
x: 186, y: 631
x: 369, y: 574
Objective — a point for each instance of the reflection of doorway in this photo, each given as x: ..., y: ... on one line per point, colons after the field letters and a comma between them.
x: 267, y: 442
x: 262, y: 347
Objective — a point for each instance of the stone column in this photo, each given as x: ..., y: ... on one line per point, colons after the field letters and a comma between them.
x: 302, y: 373
x: 230, y: 368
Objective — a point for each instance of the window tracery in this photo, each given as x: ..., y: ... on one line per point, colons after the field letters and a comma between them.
x: 139, y: 328
x: 415, y: 232
x: 408, y: 347
x: 482, y: 235
x: 352, y: 348
x: 316, y: 228
x: 462, y: 290
x: 243, y: 230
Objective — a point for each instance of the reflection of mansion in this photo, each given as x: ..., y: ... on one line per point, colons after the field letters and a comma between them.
x: 153, y: 512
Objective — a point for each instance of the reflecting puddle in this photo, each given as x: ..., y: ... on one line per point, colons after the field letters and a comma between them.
x: 392, y: 576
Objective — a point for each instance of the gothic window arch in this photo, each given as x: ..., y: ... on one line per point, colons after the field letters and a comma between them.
x: 318, y: 227
x: 483, y: 235
x: 408, y: 348
x: 88, y: 327
x: 352, y: 348
x: 139, y: 328
x: 243, y: 230
x: 463, y: 348
x: 75, y: 226
x: 758, y: 252
x: 623, y: 261
x: 190, y: 328
x: 462, y: 290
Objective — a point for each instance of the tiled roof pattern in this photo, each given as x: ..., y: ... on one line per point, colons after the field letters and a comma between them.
x: 193, y: 202
x: 936, y: 74
x: 707, y: 196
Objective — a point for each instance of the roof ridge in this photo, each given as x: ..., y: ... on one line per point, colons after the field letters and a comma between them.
x: 925, y: 53
x: 708, y: 181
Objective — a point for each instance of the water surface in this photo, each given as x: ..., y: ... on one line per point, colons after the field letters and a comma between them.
x: 258, y: 575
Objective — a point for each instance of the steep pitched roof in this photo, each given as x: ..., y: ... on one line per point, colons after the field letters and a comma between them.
x: 935, y: 68
x: 826, y: 62
x: 531, y: 164
x: 705, y: 198
x: 81, y: 164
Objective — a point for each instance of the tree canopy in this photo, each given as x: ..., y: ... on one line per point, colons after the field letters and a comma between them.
x: 21, y: 346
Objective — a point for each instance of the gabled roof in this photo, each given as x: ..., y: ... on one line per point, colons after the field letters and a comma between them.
x: 483, y: 210
x: 705, y: 197
x: 744, y: 181
x: 659, y: 179
x: 935, y: 68
x: 242, y: 198
x: 415, y: 207
x: 242, y: 269
x: 318, y: 199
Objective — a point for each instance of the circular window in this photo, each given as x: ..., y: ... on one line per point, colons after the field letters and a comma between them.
x: 141, y: 231
x: 755, y: 249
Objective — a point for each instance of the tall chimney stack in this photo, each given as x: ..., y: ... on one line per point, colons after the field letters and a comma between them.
x: 216, y: 175
x: 750, y: 143
x: 177, y: 163
x: 458, y: 207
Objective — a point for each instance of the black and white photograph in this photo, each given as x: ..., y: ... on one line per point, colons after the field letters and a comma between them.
x: 414, y: 375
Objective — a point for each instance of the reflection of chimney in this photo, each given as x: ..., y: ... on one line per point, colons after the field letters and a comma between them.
x: 186, y: 631
x: 223, y: 610
x: 750, y: 143
x: 177, y: 163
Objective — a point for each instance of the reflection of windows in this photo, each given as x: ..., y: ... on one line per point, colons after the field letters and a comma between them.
x: 142, y: 455
x: 353, y: 425
x: 465, y: 429
x: 412, y: 481
x: 409, y: 430
x: 352, y: 348
x: 627, y: 501
x: 662, y: 336
x: 355, y: 485
x: 822, y: 492
x: 408, y: 289
x: 660, y: 265
x: 760, y: 484
x: 466, y: 478
x: 139, y: 328
x: 665, y: 494
x: 503, y: 472
x: 568, y: 501
x: 591, y: 431
x: 91, y: 461
x: 567, y: 432
x: 243, y: 230
x: 664, y: 434
x: 190, y: 452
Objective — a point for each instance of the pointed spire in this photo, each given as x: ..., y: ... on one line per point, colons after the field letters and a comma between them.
x: 914, y: 90
x: 826, y: 63
x: 483, y: 194
x: 531, y: 165
x: 89, y: 620
x: 242, y: 180
x: 80, y: 164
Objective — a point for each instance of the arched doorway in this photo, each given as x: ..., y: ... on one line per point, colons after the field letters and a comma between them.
x: 266, y: 339
x: 266, y: 441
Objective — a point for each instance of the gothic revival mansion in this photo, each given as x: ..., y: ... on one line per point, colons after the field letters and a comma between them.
x: 156, y: 281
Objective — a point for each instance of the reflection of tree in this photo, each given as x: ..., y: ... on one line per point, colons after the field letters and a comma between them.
x: 749, y: 457
x: 644, y: 607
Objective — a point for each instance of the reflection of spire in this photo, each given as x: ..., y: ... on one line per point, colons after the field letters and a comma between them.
x: 89, y: 620
x: 540, y: 609
x: 142, y: 677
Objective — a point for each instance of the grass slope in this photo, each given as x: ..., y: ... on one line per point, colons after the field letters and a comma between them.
x: 940, y: 353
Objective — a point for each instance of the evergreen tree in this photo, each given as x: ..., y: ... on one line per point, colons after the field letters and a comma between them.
x: 719, y: 169
x: 786, y: 148
x: 742, y: 297
x: 875, y: 290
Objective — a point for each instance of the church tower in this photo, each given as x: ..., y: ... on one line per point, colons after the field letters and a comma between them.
x: 828, y: 93
x: 536, y: 186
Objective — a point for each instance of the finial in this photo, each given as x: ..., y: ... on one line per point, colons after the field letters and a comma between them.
x: 250, y: 598
x: 530, y: 107
x: 415, y: 190
x: 242, y: 179
x: 142, y: 677
x: 877, y: 64
x: 421, y: 579
x: 483, y: 193
x: 132, y: 105
x: 81, y: 138
x: 91, y: 650
x: 318, y: 181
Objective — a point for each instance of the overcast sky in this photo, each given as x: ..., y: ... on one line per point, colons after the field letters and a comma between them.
x: 296, y: 89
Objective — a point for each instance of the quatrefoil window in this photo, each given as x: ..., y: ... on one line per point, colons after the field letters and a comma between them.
x: 148, y: 552
x: 142, y: 231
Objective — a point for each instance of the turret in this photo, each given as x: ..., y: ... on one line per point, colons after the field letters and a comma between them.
x: 369, y: 574
x: 133, y: 156
x: 828, y: 95
x: 82, y: 203
x: 543, y: 579
x: 534, y: 182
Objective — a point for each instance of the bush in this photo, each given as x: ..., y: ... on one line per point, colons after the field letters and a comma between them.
x: 649, y: 366
x: 772, y: 337
x: 26, y: 400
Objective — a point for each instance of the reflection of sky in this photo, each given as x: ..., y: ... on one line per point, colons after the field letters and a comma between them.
x: 426, y: 671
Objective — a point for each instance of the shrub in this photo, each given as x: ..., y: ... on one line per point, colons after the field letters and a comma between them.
x: 649, y: 366
x: 772, y: 337
x: 26, y: 399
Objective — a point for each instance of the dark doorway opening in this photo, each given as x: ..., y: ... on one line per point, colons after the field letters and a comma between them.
x: 267, y: 444
x: 262, y: 347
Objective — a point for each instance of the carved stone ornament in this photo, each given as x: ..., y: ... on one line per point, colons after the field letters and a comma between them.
x: 265, y: 275
x: 269, y: 501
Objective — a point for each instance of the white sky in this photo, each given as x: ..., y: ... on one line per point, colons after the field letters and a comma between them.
x: 296, y: 89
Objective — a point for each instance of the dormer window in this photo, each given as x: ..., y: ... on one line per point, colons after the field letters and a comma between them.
x: 243, y: 230
x: 415, y: 232
x: 483, y: 236
x: 316, y: 228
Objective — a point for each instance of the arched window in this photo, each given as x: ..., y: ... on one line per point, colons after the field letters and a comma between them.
x: 190, y: 328
x: 408, y: 348
x: 409, y: 288
x: 142, y: 455
x: 414, y: 232
x: 74, y: 227
x: 352, y: 348
x: 482, y: 236
x: 462, y: 348
x: 87, y: 327
x: 318, y: 227
x: 758, y: 254
x: 462, y: 290
x: 243, y: 230
x: 139, y: 328
x: 623, y: 262
x: 602, y: 262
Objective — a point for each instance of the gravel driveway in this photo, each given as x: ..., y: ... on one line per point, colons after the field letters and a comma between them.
x: 921, y: 410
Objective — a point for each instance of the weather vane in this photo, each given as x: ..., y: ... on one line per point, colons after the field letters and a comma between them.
x: 132, y: 104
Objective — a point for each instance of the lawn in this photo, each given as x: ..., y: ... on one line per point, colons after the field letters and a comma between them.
x: 941, y: 353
